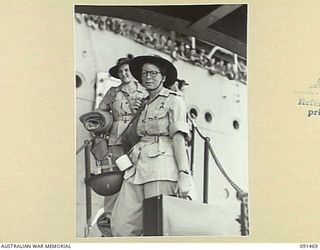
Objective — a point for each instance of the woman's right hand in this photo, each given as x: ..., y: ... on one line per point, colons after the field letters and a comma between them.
x: 183, y: 186
x: 136, y: 104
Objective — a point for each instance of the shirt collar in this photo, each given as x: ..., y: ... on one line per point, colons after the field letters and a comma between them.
x: 139, y: 88
x: 164, y: 92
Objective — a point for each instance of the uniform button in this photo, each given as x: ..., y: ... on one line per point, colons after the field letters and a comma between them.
x: 126, y: 102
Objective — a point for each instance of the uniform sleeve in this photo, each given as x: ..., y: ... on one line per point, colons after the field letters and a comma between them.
x: 105, y: 104
x: 178, y: 122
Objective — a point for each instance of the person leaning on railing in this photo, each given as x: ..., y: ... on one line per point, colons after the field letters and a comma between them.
x: 160, y: 163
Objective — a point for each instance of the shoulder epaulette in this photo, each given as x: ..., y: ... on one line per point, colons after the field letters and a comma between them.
x: 175, y: 93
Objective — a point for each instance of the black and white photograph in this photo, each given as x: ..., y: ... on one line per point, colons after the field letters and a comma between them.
x: 161, y: 120
x: 177, y: 122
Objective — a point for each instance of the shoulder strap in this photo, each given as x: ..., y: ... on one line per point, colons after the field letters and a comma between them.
x: 144, y: 102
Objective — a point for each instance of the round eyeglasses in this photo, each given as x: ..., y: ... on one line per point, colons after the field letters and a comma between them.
x: 152, y: 73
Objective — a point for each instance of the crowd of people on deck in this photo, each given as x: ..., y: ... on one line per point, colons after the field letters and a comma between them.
x: 179, y: 47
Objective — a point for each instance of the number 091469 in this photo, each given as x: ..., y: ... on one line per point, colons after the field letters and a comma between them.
x: 305, y: 245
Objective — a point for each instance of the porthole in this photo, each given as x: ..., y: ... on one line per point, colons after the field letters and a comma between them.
x: 193, y: 113
x: 78, y: 81
x: 235, y: 124
x: 208, y: 117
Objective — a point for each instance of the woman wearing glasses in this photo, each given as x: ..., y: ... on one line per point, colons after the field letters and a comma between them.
x: 160, y: 163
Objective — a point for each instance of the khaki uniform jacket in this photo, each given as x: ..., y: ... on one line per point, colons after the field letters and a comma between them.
x: 153, y: 157
x: 119, y: 101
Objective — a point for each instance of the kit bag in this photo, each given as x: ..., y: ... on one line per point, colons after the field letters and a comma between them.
x: 100, y: 148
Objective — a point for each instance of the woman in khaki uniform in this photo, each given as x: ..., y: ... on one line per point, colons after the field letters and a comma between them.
x: 160, y: 163
x: 118, y: 101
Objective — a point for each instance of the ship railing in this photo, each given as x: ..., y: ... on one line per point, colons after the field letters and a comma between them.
x: 240, y: 194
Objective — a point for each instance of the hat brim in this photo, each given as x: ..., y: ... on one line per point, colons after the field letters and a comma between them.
x: 137, y: 63
x: 114, y: 70
x: 106, y: 118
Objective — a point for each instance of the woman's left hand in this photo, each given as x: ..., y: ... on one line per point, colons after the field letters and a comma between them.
x: 183, y: 186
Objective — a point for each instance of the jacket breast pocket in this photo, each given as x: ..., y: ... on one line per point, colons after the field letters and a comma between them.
x: 157, y: 123
x: 116, y: 104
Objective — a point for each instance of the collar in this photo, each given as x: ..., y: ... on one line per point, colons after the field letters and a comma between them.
x: 164, y: 92
x: 139, y: 88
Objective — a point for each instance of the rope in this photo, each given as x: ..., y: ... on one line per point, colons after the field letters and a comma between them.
x: 240, y: 193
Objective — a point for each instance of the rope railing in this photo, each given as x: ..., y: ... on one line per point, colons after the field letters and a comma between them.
x: 84, y: 145
x: 240, y: 194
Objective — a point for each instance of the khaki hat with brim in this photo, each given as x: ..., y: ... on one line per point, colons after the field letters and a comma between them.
x: 114, y: 70
x: 137, y: 62
x: 97, y: 121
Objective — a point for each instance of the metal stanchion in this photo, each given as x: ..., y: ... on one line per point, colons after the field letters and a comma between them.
x: 88, y: 189
x: 206, y: 171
